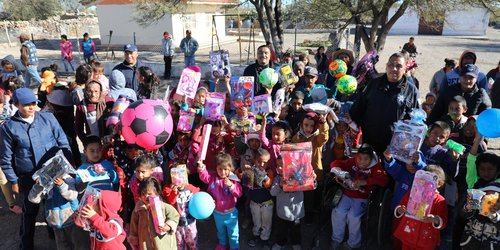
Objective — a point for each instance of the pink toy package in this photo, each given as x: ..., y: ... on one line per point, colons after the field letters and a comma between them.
x: 214, y: 106
x: 120, y: 105
x: 157, y: 213
x: 186, y: 120
x: 408, y: 136
x: 205, y: 137
x: 262, y: 104
x: 297, y: 168
x: 422, y: 194
x: 90, y: 197
x: 188, y: 83
x: 179, y: 175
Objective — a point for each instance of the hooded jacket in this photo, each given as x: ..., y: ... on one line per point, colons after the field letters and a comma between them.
x: 17, y: 70
x: 452, y: 77
x: 225, y: 198
x: 117, y: 87
x: 107, y: 231
x: 289, y: 205
x: 318, y: 140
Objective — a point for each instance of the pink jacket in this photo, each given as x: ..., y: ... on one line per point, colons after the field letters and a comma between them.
x: 66, y: 49
x: 225, y: 198
x: 273, y: 148
x: 134, y: 183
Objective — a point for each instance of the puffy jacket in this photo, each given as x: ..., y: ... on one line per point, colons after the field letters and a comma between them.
x: 23, y: 144
x: 107, y: 231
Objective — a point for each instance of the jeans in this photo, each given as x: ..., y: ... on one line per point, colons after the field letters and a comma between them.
x: 88, y: 58
x: 28, y: 218
x: 71, y: 238
x: 168, y: 66
x: 285, y: 230
x: 31, y: 72
x: 262, y: 215
x: 189, y: 61
x: 349, y: 211
x: 65, y: 62
x: 227, y: 225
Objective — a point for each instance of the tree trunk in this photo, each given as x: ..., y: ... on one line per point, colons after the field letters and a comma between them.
x: 261, y: 16
x: 278, y: 14
x: 275, y: 40
x: 387, y: 25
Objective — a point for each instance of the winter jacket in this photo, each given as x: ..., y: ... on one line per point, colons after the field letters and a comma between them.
x: 88, y: 47
x: 180, y: 200
x: 81, y: 125
x: 318, y: 140
x: 143, y: 234
x: 130, y: 73
x: 17, y: 70
x: 108, y: 184
x: 289, y: 205
x: 439, y: 155
x: 117, y: 87
x: 453, y: 77
x: 225, y: 198
x: 477, y: 101
x: 23, y: 144
x: 107, y: 231
x: 60, y: 202
x: 436, y: 81
x: 380, y: 105
x: 168, y: 47
x: 375, y: 175
x: 189, y: 46
x: 66, y: 50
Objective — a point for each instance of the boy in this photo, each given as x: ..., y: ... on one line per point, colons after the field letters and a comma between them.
x: 311, y: 76
x: 295, y: 110
x: 9, y: 70
x: 430, y: 101
x: 455, y: 117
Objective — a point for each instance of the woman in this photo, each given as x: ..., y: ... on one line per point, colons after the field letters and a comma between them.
x: 66, y: 53
x: 149, y: 83
x: 440, y: 75
x: 321, y: 60
x: 88, y: 48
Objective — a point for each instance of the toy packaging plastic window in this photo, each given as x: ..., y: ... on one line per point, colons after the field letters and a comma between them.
x: 242, y: 91
x: 297, y: 168
x: 186, y: 120
x: 55, y: 167
x: 157, y: 213
x: 422, y: 194
x: 287, y: 76
x: 408, y: 136
x: 219, y: 61
x: 262, y: 104
x: 90, y: 197
x: 179, y: 175
x: 188, y: 83
x: 214, y: 106
x: 205, y: 137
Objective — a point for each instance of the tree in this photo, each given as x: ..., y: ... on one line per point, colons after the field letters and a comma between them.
x: 270, y: 17
x: 32, y: 9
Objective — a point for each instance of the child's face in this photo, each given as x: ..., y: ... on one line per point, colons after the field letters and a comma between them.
x: 143, y: 172
x: 470, y: 128
x: 311, y: 80
x: 216, y: 129
x: 132, y: 153
x: 27, y: 110
x: 429, y: 99
x: 223, y: 171
x: 253, y: 144
x: 97, y: 74
x: 297, y: 104
x: 278, y: 135
x: 437, y: 136
x: 455, y: 110
x: 487, y: 171
x: 200, y: 97
x: 345, y: 58
x: 308, y: 126
x: 93, y: 153
x: 261, y: 161
x: 145, y: 197
x: 94, y: 93
x: 8, y: 68
x: 363, y: 160
x: 341, y: 127
x: 183, y: 141
x: 242, y: 112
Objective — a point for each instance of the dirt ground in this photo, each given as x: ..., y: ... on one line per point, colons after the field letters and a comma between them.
x: 433, y: 50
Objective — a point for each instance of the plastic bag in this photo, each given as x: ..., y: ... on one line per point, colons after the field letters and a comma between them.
x: 55, y: 167
x: 297, y: 167
x: 408, y: 136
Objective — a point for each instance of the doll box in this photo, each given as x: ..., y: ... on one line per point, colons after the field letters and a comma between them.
x: 186, y: 120
x: 262, y: 104
x: 157, y: 213
x: 297, y: 167
x: 214, y: 106
x: 407, y: 138
x: 179, y: 175
x: 188, y: 83
x: 55, y: 167
x: 422, y: 194
x: 90, y: 197
x: 219, y: 63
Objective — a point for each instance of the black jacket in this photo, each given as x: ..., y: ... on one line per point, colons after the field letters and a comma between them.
x: 254, y: 70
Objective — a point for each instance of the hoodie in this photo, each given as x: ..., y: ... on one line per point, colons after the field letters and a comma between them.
x: 452, y: 77
x: 16, y: 72
x: 117, y: 86
x: 107, y: 231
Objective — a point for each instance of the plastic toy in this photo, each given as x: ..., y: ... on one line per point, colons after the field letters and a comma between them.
x: 347, y: 84
x: 207, y: 129
x: 287, y: 76
x: 55, y: 167
x: 455, y: 146
x: 422, y: 194
x: 337, y: 68
x: 297, y: 168
x: 90, y: 197
x: 214, y: 106
x: 476, y: 197
x: 489, y: 201
x: 48, y: 81
x: 201, y: 205
x: 219, y: 62
x: 268, y: 78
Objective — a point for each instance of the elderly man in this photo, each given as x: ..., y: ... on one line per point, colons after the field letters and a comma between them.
x: 263, y: 62
x: 385, y: 100
x: 29, y: 58
x: 189, y: 46
x: 129, y: 67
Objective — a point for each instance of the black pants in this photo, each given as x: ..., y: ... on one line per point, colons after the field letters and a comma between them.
x: 284, y: 228
x: 168, y: 66
x: 30, y: 211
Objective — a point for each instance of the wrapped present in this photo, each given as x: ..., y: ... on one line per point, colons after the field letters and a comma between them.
x: 186, y: 120
x: 287, y: 76
x: 408, y: 136
x: 262, y: 104
x: 297, y: 168
x: 488, y: 202
x: 155, y: 204
x: 219, y: 62
x: 188, y: 83
x: 90, y: 197
x: 242, y: 91
x: 179, y: 175
x: 214, y: 106
x: 422, y: 194
x: 118, y: 107
x: 55, y: 167
x: 205, y: 137
x: 476, y: 197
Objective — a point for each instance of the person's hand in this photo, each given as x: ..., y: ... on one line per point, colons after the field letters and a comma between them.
x: 15, y: 188
x: 454, y: 155
x: 58, y: 181
x: 165, y: 229
x: 246, y: 167
x: 431, y: 219
x: 175, y: 188
x: 228, y: 182
x: 359, y: 183
x: 322, y: 118
x: 401, y: 210
x: 387, y: 155
x: 200, y: 165
x: 88, y: 211
x: 415, y: 158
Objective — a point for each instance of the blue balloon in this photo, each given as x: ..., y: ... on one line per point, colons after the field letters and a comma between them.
x: 488, y: 123
x: 201, y: 205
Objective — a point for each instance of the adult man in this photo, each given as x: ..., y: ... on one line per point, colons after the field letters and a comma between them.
x: 385, y: 100
x: 129, y: 66
x: 189, y: 46
x: 452, y: 77
x: 263, y: 62
x: 29, y: 58
x: 168, y: 52
x: 477, y: 98
x: 410, y: 47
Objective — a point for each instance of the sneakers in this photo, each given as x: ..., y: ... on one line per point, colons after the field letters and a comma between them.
x: 253, y: 242
x: 334, y: 245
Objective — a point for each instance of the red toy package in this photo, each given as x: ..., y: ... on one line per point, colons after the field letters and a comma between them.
x: 297, y: 168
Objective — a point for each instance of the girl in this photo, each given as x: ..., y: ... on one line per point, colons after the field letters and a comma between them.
x: 185, y: 152
x: 440, y: 75
x: 280, y: 134
x: 82, y: 76
x: 225, y: 193
x: 66, y: 53
x: 149, y: 83
x: 88, y: 48
x: 98, y: 75
x: 145, y: 167
x: 143, y: 234
x: 321, y: 60
x: 219, y: 142
x: 92, y: 113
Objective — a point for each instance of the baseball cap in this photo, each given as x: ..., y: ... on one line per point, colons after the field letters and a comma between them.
x: 470, y: 70
x: 310, y: 71
x: 24, y: 96
x: 129, y: 48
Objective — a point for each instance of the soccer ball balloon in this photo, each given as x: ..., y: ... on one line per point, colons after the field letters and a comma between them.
x: 268, y: 78
x: 347, y: 84
x: 337, y: 68
x: 147, y: 124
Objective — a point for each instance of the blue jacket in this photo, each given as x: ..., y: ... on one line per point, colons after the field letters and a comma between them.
x: 189, y: 46
x: 23, y: 144
x: 453, y: 77
x: 168, y: 47
x: 130, y: 73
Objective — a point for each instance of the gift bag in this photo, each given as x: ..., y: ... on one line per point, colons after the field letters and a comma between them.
x: 219, y: 62
x: 55, y: 167
x: 90, y: 197
x: 188, y: 83
x: 408, y: 136
x: 287, y: 76
x: 214, y: 106
x: 297, y: 168
x: 241, y: 91
x: 179, y: 175
x: 157, y: 213
x: 422, y: 194
x: 205, y: 137
x: 262, y: 104
x: 186, y: 120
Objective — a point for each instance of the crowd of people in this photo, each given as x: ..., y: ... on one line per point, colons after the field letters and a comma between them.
x: 355, y: 138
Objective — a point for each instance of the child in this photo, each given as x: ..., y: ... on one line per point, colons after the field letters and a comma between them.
x: 435, y: 153
x: 149, y: 83
x: 179, y: 197
x: 145, y: 167
x: 98, y: 75
x: 66, y: 53
x: 88, y: 48
x: 346, y: 135
x: 259, y: 179
x: 483, y: 168
x: 219, y: 142
x: 365, y: 172
x: 9, y: 70
x: 117, y: 87
x: 243, y: 121
x: 311, y: 76
x: 430, y: 101
x: 185, y: 152
x: 455, y: 117
x: 225, y: 193
x: 250, y: 149
x: 415, y: 234
x: 143, y: 234
x: 295, y: 110
x: 106, y: 225
x: 280, y: 134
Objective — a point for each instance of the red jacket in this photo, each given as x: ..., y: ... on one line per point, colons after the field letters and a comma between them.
x: 419, y: 234
x: 375, y: 175
x: 217, y: 144
x: 107, y: 228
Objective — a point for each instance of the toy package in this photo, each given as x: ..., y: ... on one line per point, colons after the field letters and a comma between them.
x: 214, y: 106
x: 408, y: 136
x: 253, y: 178
x: 90, y: 197
x: 205, y: 137
x: 219, y: 62
x: 455, y: 146
x: 93, y: 173
x: 55, y: 167
x: 262, y: 104
x: 422, y: 194
x: 157, y: 213
x: 489, y: 201
x: 279, y: 99
x: 179, y: 175
x: 287, y: 76
x: 476, y: 197
x: 244, y: 125
x: 297, y: 168
x: 186, y: 120
x: 188, y: 83
x: 242, y: 91
x: 120, y: 105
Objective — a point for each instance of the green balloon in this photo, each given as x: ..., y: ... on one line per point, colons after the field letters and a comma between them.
x: 268, y: 77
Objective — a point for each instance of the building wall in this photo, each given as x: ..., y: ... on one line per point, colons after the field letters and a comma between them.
x: 406, y: 24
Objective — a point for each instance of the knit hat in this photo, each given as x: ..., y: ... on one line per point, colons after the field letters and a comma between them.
x: 492, y: 186
x: 252, y: 136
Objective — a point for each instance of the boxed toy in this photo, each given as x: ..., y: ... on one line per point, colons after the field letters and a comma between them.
x: 205, y: 137
x: 55, y: 167
x: 219, y: 62
x: 179, y: 175
x: 408, y: 136
x: 157, y: 213
x: 422, y: 194
x: 297, y: 168
x: 287, y: 76
x: 214, y: 106
x: 242, y: 91
x: 188, y: 83
x: 90, y: 197
x: 262, y: 104
x: 186, y: 120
